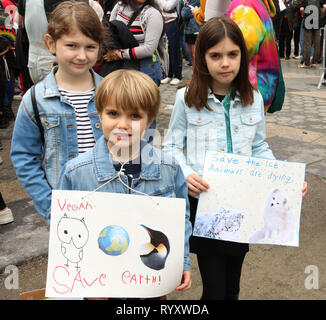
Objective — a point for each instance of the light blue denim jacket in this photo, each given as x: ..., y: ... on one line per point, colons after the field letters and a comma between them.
x: 198, y: 131
x: 38, y: 169
x: 159, y: 177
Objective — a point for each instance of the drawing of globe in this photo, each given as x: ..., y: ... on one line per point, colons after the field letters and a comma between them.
x: 113, y: 240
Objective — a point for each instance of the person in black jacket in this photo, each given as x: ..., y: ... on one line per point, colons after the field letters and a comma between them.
x: 277, y: 19
x: 7, y: 68
x: 108, y: 6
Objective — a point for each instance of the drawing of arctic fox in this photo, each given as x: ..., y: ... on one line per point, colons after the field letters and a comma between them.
x: 279, y: 222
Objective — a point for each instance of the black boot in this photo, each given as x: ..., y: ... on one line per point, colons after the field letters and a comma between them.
x: 4, y: 122
x: 9, y: 114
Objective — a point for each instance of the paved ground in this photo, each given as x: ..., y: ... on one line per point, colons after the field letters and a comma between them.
x: 297, y: 133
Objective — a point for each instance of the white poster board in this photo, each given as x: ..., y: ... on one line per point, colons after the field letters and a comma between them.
x: 114, y: 245
x: 250, y: 200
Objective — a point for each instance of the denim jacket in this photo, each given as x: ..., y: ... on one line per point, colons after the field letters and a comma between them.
x: 158, y: 177
x: 198, y: 131
x: 38, y: 168
x: 189, y: 23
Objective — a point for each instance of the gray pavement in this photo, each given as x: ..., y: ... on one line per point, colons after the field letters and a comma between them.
x: 297, y: 133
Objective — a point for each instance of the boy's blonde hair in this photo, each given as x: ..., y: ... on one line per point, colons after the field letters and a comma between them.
x: 129, y: 90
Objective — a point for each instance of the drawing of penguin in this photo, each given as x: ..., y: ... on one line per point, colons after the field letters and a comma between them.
x: 154, y: 253
x: 73, y: 234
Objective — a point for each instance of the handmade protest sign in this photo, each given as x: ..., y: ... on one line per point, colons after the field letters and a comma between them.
x: 114, y: 245
x: 250, y: 200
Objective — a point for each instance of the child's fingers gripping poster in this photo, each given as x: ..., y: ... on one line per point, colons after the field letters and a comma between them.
x: 114, y: 245
x: 250, y: 200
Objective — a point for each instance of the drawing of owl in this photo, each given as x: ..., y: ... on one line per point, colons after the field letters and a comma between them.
x: 73, y: 234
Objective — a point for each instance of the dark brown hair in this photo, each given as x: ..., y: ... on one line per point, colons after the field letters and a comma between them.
x: 69, y: 14
x: 213, y: 31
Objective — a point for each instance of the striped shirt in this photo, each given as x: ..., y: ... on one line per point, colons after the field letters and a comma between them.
x: 146, y: 28
x: 80, y: 100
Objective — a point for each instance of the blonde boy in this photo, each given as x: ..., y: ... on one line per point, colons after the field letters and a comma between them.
x: 127, y: 102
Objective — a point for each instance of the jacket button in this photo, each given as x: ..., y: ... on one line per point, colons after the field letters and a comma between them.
x: 236, y: 128
x: 97, y: 125
x: 199, y: 118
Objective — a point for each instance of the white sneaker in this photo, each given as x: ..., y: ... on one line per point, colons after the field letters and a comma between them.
x: 6, y: 216
x: 297, y: 57
x: 175, y: 82
x: 17, y: 97
x: 166, y: 80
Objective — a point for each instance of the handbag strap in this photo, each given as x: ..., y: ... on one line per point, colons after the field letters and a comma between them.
x: 37, y: 115
x: 135, y: 14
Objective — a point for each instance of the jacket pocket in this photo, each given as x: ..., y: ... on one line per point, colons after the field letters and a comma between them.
x: 201, y: 133
x: 200, y: 127
x: 51, y: 126
x: 168, y: 191
x: 249, y: 123
x: 250, y: 119
x: 199, y: 120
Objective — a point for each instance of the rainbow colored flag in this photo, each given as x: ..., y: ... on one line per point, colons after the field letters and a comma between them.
x: 9, y: 34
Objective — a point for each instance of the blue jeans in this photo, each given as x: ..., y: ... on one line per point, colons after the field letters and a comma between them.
x: 9, y: 93
x: 185, y: 48
x: 151, y: 68
x: 175, y: 62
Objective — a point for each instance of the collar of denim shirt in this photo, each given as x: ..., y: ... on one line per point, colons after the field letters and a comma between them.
x: 151, y: 159
x: 50, y: 87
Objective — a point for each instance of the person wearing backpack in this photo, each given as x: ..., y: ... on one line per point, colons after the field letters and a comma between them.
x: 7, y: 75
x: 191, y: 27
x: 8, y: 67
x: 149, y: 30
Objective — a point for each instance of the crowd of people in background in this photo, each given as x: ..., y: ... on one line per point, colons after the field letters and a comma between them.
x: 300, y: 21
x: 152, y: 37
x: 28, y: 60
x: 297, y: 34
